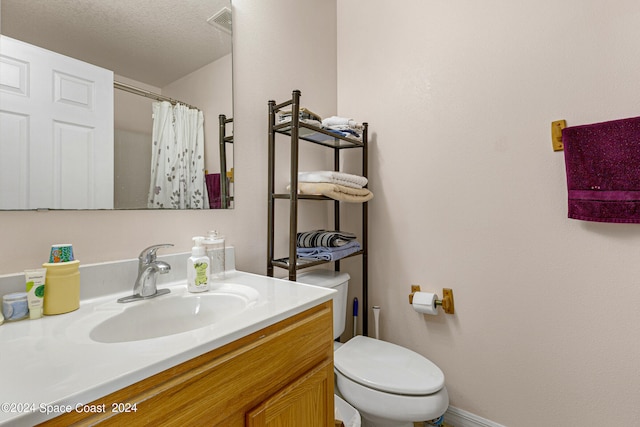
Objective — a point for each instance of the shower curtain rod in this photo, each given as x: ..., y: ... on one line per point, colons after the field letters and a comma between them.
x: 135, y: 90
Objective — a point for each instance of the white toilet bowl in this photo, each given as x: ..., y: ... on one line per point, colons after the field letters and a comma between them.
x: 389, y: 385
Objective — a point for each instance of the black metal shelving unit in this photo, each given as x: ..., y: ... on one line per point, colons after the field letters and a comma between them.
x: 224, y: 139
x: 296, y: 131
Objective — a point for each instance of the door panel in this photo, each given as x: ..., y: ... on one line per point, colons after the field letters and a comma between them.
x: 67, y: 108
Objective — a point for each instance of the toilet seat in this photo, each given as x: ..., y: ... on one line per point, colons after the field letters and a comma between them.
x: 387, y: 367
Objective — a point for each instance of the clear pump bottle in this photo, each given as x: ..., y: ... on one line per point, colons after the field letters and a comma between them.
x: 214, y: 243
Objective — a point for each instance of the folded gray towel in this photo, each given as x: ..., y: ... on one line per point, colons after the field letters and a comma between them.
x: 329, y: 253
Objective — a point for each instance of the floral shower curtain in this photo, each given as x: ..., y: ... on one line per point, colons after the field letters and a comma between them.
x: 177, y: 158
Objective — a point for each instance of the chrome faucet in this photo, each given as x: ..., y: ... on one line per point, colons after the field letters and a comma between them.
x: 148, y: 269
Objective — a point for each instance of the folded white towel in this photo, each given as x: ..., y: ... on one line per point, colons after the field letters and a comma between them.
x: 334, y: 177
x: 335, y: 191
x: 332, y: 121
x: 285, y: 116
x: 308, y: 121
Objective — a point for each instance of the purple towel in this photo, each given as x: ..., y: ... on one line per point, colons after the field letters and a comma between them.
x: 213, y: 188
x: 603, y: 171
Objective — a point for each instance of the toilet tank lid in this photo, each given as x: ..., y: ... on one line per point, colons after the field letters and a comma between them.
x: 387, y: 367
x: 323, y: 278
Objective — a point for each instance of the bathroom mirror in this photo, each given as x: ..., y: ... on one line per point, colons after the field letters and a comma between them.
x: 179, y: 50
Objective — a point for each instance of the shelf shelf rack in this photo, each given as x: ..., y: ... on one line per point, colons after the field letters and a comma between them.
x: 297, y: 131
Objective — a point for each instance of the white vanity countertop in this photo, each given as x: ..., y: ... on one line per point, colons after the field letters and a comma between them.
x: 51, y: 364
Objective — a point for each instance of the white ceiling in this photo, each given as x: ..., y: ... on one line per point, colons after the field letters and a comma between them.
x: 151, y: 41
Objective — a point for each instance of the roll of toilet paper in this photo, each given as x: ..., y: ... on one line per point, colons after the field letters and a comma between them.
x: 425, y: 302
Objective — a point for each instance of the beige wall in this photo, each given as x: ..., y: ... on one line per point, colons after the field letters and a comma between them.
x: 132, y: 141
x: 469, y: 195
x: 132, y: 112
x: 267, y: 33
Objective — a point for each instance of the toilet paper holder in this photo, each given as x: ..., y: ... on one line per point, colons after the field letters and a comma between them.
x: 446, y: 302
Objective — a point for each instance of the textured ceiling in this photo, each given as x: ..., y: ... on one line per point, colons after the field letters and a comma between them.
x: 152, y: 41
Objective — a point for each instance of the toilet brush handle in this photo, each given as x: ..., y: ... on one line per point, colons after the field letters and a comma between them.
x: 355, y: 316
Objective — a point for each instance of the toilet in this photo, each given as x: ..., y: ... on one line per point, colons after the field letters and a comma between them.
x: 391, y: 386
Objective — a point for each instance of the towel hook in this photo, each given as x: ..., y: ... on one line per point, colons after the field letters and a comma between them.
x: 556, y: 134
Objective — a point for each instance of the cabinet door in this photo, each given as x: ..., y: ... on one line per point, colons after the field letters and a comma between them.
x: 306, y: 402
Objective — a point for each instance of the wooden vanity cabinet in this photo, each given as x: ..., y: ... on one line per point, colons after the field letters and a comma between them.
x: 281, y: 375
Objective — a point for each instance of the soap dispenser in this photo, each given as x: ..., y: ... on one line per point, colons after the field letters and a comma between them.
x: 198, y: 268
x: 216, y: 253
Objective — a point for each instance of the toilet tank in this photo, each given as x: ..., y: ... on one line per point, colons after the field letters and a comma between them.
x: 337, y: 280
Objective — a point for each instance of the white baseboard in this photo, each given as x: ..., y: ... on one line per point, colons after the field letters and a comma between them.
x: 458, y: 418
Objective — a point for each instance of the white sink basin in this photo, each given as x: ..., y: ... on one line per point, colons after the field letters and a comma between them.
x: 174, y: 313
x: 105, y: 346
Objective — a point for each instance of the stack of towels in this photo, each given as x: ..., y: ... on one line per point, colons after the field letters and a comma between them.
x: 326, y: 245
x: 336, y: 185
x: 304, y: 114
x: 343, y: 126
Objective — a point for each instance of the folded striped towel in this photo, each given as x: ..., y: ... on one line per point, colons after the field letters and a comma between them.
x: 311, y: 239
x: 333, y: 177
